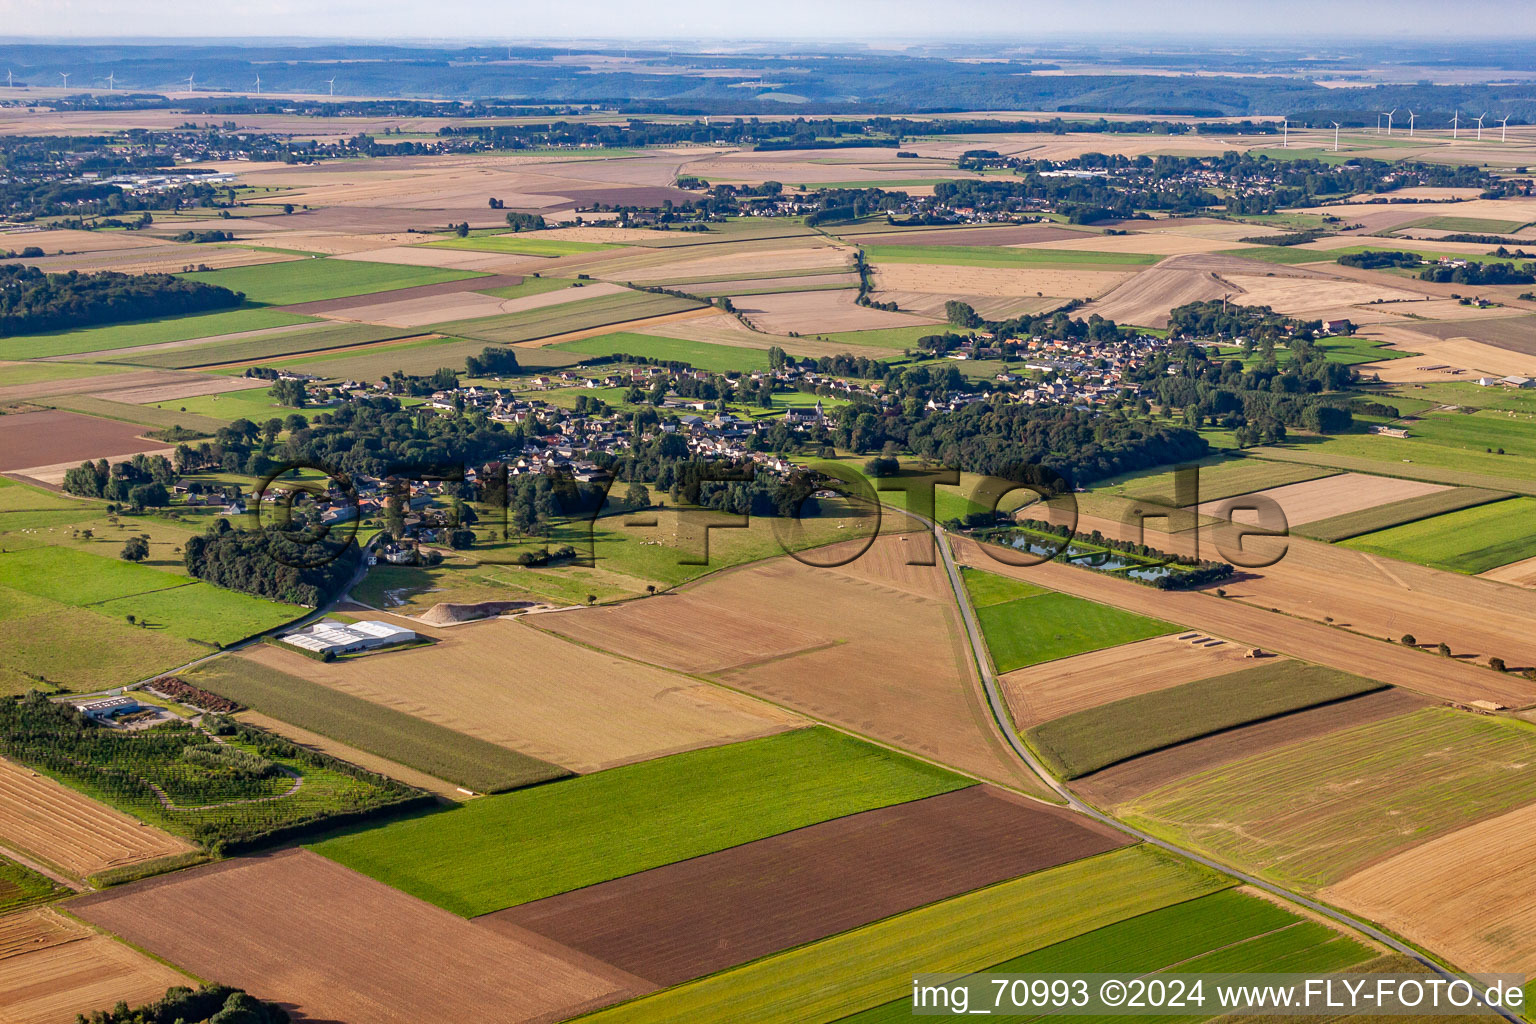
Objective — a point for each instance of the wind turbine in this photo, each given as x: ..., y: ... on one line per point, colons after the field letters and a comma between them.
x: 1284, y: 133
x: 1335, y: 136
x: 111, y: 80
x: 1411, y: 116
x: 65, y: 75
x: 189, y: 82
x: 8, y: 79
x: 258, y: 85
x: 1378, y: 123
x: 1479, y: 120
x: 1455, y: 123
x: 1389, y: 119
x: 1504, y: 130
x: 332, y: 83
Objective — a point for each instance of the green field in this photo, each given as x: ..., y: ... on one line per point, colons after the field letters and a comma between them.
x: 1224, y: 931
x: 284, y: 284
x: 202, y: 611
x: 519, y: 244
x: 22, y: 887
x: 988, y: 588
x: 886, y: 337
x: 1473, y: 540
x: 145, y: 415
x: 1397, y: 513
x: 1046, y: 626
x: 77, y: 578
x: 414, y: 742
x: 529, y: 286
x: 1415, y: 458
x: 1470, y: 225
x: 700, y: 355
x: 254, y: 404
x: 1001, y: 256
x: 287, y: 343
x: 873, y: 965
x: 145, y: 332
x: 17, y: 374
x: 1096, y: 738
x: 1317, y: 810
x: 501, y: 851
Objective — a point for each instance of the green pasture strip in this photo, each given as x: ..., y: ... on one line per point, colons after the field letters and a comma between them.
x: 701, y: 355
x: 873, y: 965
x: 1048, y: 626
x: 145, y: 332
x: 297, y: 281
x: 502, y: 851
x: 1095, y: 738
x: 1471, y: 540
x: 1398, y: 513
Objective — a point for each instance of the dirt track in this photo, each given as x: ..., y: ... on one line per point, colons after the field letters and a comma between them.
x: 698, y: 916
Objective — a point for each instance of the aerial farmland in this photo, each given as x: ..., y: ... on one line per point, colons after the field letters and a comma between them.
x: 538, y: 530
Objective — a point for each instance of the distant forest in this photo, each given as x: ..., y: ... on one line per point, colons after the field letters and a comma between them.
x: 501, y: 80
x: 33, y: 301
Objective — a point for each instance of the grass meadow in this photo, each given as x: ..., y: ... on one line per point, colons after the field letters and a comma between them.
x: 284, y: 284
x: 1472, y: 540
x: 701, y: 355
x: 1222, y: 931
x: 1001, y: 256
x: 501, y: 851
x: 146, y: 332
x: 1048, y: 625
x: 519, y: 244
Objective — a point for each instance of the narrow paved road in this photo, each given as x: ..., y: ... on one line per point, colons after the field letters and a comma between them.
x: 1005, y: 722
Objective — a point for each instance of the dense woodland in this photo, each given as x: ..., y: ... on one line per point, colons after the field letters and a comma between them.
x: 272, y: 563
x: 32, y: 301
x: 210, y: 1004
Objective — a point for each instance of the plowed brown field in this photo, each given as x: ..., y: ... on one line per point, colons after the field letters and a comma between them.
x: 52, y: 969
x: 702, y: 915
x: 43, y: 438
x: 337, y: 946
x: 47, y: 820
x: 1311, y: 500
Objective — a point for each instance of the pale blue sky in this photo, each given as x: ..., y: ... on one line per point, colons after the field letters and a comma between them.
x: 844, y: 20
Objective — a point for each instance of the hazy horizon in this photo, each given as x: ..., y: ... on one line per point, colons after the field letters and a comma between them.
x: 1222, y: 22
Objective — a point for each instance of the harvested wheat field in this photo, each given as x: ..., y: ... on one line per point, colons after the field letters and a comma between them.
x: 899, y: 668
x: 1146, y: 298
x: 47, y: 820
x: 1520, y: 574
x: 527, y: 690
x: 991, y: 307
x: 1337, y: 495
x: 1469, y: 896
x: 464, y: 305
x: 1152, y: 243
x: 702, y: 915
x: 735, y: 259
x: 337, y: 946
x: 1295, y: 297
x: 1119, y: 783
x: 813, y: 312
x: 1003, y: 282
x: 1043, y: 692
x: 52, y: 968
x: 69, y: 241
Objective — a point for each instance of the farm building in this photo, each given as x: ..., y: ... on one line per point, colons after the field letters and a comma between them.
x: 107, y: 707
x: 329, y: 636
